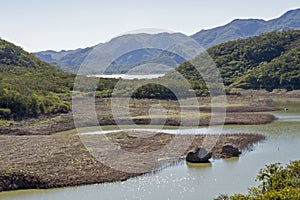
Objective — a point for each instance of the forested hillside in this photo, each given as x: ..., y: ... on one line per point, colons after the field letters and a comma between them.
x: 28, y: 86
x: 267, y: 61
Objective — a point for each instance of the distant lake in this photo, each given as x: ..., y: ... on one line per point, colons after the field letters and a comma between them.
x: 128, y: 76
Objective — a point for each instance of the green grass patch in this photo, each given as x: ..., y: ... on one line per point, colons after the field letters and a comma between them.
x: 4, y: 122
x: 292, y: 104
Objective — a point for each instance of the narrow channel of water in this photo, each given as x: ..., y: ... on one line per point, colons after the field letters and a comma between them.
x: 188, y: 182
x: 128, y: 76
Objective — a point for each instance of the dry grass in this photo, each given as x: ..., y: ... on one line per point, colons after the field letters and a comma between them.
x: 240, y: 110
x: 62, y: 160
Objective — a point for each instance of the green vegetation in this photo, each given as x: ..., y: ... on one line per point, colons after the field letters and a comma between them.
x: 3, y: 123
x: 160, y: 88
x: 28, y: 86
x: 277, y: 183
x: 281, y: 72
x: 153, y: 91
x: 268, y: 61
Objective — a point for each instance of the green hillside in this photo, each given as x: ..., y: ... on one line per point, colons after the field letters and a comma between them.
x: 28, y: 86
x: 268, y: 61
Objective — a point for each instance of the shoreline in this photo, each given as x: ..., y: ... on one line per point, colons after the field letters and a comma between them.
x: 245, y: 110
x: 62, y: 161
x: 35, y: 158
x: 30, y: 128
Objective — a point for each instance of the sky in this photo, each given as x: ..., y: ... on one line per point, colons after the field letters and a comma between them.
x: 38, y: 25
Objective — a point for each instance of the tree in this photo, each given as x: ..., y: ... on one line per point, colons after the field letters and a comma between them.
x: 277, y: 183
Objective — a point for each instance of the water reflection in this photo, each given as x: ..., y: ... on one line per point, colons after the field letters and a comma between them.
x: 198, y: 165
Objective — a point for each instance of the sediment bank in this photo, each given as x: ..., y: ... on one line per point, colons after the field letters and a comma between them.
x: 29, y: 162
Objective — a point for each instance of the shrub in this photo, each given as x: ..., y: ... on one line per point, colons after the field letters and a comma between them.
x: 277, y: 183
x: 5, y: 113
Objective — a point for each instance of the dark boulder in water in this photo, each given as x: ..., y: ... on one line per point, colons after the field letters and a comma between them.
x: 230, y: 150
x: 199, y: 155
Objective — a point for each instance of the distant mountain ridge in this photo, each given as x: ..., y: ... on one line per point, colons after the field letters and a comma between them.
x: 244, y: 28
x: 67, y: 61
x: 159, y: 58
x: 71, y: 60
x: 122, y: 54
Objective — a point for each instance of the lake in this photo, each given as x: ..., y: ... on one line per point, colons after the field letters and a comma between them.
x: 180, y: 181
x: 128, y: 76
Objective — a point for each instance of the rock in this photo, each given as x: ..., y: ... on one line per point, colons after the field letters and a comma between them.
x: 230, y: 150
x: 199, y: 155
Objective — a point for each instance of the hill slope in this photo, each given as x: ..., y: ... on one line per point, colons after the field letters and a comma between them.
x: 29, y: 86
x: 267, y: 61
x: 244, y: 28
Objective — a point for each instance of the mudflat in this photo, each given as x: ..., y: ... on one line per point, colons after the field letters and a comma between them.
x: 245, y: 109
x: 29, y: 162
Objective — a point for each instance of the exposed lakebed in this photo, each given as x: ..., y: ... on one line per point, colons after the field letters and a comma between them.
x: 181, y: 181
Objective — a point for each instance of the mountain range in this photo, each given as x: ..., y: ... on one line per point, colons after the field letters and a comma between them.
x: 123, y: 54
x: 244, y: 28
x: 70, y: 61
x: 30, y: 87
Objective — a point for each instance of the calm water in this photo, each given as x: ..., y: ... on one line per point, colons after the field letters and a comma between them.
x: 187, y: 182
x: 129, y: 76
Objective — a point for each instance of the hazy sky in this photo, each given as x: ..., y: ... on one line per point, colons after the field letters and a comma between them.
x: 69, y: 24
